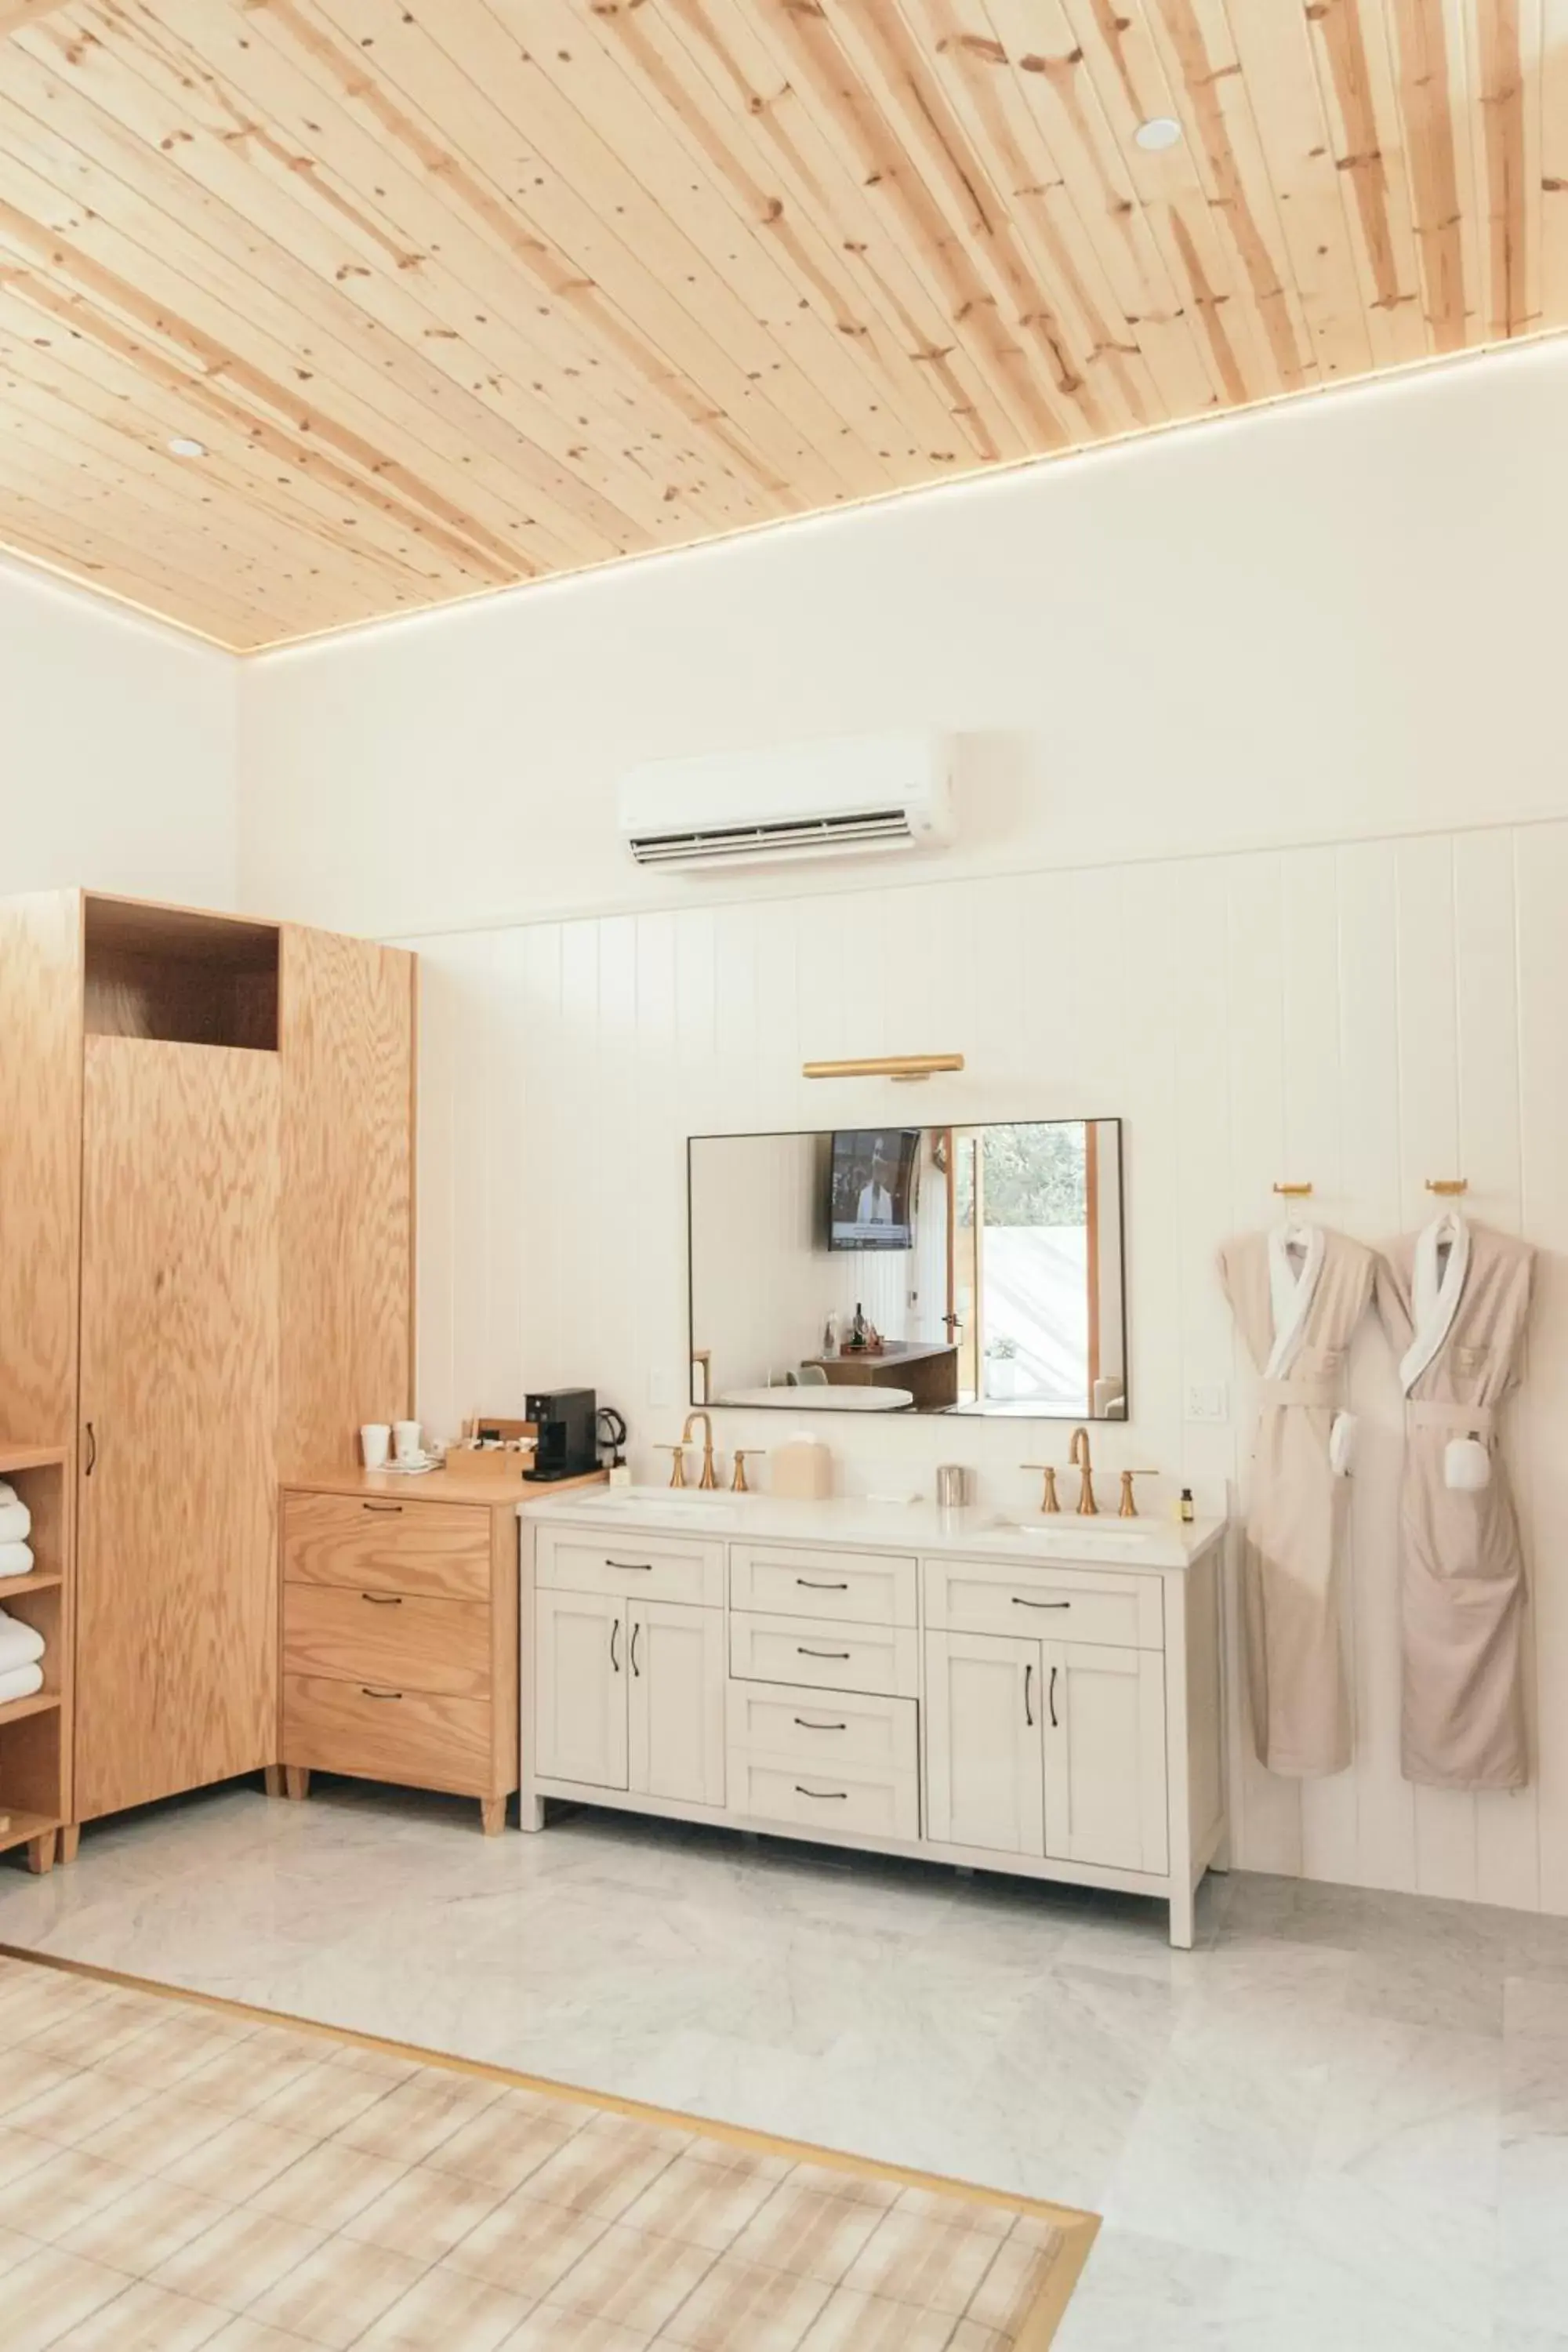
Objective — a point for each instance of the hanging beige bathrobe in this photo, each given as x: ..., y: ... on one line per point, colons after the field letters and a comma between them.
x: 1298, y: 1294
x: 1455, y: 1299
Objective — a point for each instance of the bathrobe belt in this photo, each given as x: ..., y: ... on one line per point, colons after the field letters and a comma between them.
x: 1458, y: 1420
x: 1300, y: 1391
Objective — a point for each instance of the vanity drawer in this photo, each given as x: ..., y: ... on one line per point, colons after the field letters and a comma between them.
x: 825, y: 1655
x: 865, y: 1802
x: 965, y: 1596
x: 383, y: 1733
x: 645, y: 1567
x: 851, y: 1729
x: 387, y: 1638
x: 865, y: 1588
x: 442, y: 1549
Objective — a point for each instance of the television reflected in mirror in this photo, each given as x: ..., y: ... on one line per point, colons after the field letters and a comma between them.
x: 912, y: 1269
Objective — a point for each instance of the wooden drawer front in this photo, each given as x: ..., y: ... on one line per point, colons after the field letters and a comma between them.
x: 430, y: 1741
x: 865, y: 1801
x: 849, y: 1731
x: 1051, y: 1605
x: 442, y: 1549
x: 864, y: 1588
x: 397, y: 1638
x: 641, y: 1568
x: 825, y: 1655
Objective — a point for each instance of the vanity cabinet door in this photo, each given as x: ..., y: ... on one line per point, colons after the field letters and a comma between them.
x: 675, y: 1663
x: 582, y: 1677
x: 985, y: 1742
x: 1105, y: 1757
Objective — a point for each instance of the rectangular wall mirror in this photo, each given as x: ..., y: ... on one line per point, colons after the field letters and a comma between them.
x: 912, y: 1269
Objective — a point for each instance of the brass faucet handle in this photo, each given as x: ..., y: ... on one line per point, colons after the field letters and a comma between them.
x: 1048, y: 1500
x: 744, y: 1454
x: 1128, y: 1508
x: 677, y: 1465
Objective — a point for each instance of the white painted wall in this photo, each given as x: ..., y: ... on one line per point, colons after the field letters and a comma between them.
x: 1333, y: 619
x: 118, y: 751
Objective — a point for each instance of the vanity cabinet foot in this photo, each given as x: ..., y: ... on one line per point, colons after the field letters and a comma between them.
x: 1183, y: 1907
x: 530, y: 1815
x: 297, y: 1782
x: 70, y: 1838
x: 492, y: 1815
x: 41, y: 1854
x: 272, y: 1779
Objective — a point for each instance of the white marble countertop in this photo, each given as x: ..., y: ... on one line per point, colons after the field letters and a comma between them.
x: 900, y: 1526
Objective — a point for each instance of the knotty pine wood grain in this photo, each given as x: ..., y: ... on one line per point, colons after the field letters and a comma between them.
x: 176, y: 1650
x: 464, y: 297
x: 40, y: 1164
x: 346, y: 1268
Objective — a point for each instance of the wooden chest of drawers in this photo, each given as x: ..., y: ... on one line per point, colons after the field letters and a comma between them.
x: 399, y: 1631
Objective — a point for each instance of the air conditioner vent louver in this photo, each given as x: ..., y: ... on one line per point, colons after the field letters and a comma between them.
x: 834, y: 799
x: 797, y: 835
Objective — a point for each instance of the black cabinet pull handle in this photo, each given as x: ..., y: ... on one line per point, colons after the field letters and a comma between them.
x: 368, y: 1693
x: 641, y: 1567
x: 1028, y: 1681
x: 1019, y: 1602
x: 614, y: 1638
x: 807, y: 1724
x: 821, y: 1796
x: 1051, y: 1698
x: 92, y: 1451
x: 381, y: 1507
x: 383, y: 1599
x: 637, y: 1629
x: 822, y: 1584
x: 802, y: 1652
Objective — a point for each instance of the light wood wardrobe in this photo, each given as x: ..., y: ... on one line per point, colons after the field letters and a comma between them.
x: 206, y: 1286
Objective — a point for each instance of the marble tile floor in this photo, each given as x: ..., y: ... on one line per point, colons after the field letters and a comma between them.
x: 1342, y: 2120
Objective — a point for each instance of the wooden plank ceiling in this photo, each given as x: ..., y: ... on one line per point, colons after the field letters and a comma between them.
x: 462, y: 292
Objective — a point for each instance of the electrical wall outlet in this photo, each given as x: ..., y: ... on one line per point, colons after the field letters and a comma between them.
x: 1207, y: 1401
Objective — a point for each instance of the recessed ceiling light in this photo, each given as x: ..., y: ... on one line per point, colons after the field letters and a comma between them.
x: 182, y: 445
x: 1159, y: 132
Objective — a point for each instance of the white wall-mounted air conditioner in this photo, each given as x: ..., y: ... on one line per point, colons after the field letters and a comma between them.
x: 834, y: 799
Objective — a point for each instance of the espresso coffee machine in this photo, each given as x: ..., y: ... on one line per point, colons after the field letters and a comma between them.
x: 565, y: 1426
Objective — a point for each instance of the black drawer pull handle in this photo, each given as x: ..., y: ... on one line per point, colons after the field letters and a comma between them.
x: 822, y: 1584
x: 807, y: 1724
x: 842, y: 1656
x: 641, y: 1567
x: 1051, y: 1695
x: 821, y: 1796
x: 381, y: 1507
x: 383, y: 1599
x: 368, y: 1693
x: 1019, y: 1602
x: 1028, y: 1681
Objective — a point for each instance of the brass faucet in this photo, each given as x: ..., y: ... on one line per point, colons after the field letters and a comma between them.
x: 1128, y: 1508
x: 1077, y: 1455
x: 707, y: 1479
x: 1049, y: 1502
x: 742, y: 1455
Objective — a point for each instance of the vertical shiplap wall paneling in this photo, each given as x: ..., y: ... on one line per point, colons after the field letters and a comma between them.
x: 1268, y: 1808
x: 1508, y: 1862
x: 1312, y: 1154
x: 1429, y: 1135
x: 1364, y: 1017
x: 1370, y: 1130
x: 1541, y: 883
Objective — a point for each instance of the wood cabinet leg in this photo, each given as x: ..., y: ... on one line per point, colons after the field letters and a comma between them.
x: 492, y: 1815
x: 41, y: 1854
x: 70, y: 1838
x: 296, y: 1781
x: 531, y: 1813
x: 273, y: 1775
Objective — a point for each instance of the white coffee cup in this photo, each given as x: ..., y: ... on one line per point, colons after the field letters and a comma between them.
x: 375, y: 1443
x: 405, y: 1441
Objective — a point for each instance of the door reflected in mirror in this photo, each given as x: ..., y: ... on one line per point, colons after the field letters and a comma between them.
x: 909, y: 1269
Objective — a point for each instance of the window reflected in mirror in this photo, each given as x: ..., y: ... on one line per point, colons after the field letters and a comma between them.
x: 909, y: 1269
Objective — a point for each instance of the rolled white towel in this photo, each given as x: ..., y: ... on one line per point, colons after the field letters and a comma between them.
x: 15, y: 1522
x: 7, y: 1493
x: 15, y: 1560
x: 20, y: 1645
x: 21, y: 1682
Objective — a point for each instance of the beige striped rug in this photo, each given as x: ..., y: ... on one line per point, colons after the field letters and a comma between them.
x: 177, y: 2171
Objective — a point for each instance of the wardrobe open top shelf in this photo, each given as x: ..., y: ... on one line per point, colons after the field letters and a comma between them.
x: 30, y: 1457
x: 172, y: 973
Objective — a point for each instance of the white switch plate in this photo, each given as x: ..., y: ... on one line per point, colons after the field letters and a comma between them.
x: 1207, y: 1401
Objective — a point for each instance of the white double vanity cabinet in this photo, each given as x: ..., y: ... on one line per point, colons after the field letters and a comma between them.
x: 1042, y: 1699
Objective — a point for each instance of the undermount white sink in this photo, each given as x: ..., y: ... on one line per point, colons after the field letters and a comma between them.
x: 698, y: 1505
x: 1071, y: 1538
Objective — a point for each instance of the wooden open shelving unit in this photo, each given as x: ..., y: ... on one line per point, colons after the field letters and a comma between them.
x: 36, y: 1733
